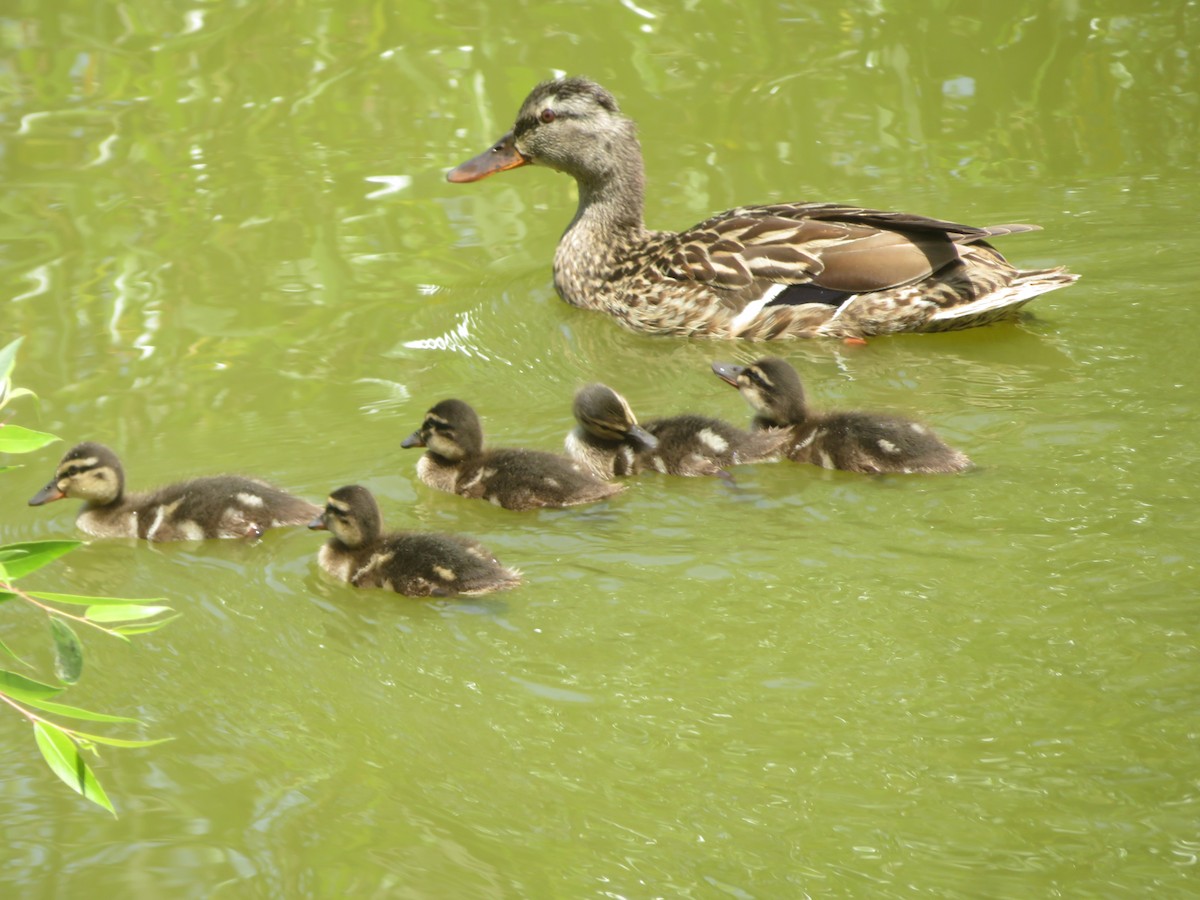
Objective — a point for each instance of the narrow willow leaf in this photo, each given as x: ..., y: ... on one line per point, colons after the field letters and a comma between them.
x: 79, y: 600
x: 21, y: 688
x: 8, y: 358
x: 7, y: 554
x: 120, y: 742
x: 10, y: 468
x: 68, y: 652
x: 7, y: 649
x: 18, y: 392
x: 17, y: 439
x: 62, y: 756
x: 122, y: 630
x: 74, y: 712
x: 39, y: 553
x: 123, y: 613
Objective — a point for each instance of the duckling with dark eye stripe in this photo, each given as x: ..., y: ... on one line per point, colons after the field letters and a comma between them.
x: 456, y: 461
x: 216, y: 506
x: 609, y: 441
x: 410, y: 563
x: 853, y: 441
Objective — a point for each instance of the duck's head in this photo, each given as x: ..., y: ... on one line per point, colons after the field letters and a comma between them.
x: 569, y: 124
x: 450, y: 430
x: 88, y: 472
x: 771, y: 387
x: 605, y: 415
x: 351, y: 515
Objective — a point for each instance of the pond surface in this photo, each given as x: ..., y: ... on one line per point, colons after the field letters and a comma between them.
x: 230, y: 246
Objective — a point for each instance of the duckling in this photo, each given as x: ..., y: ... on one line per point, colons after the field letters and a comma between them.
x: 418, y: 565
x: 455, y: 461
x: 609, y: 441
x: 854, y: 441
x: 217, y: 506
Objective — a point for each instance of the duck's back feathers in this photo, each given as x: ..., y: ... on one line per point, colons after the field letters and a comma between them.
x: 420, y: 565
x: 873, y: 443
x: 530, y: 479
x: 846, y: 271
x: 218, y: 506
x: 699, y: 445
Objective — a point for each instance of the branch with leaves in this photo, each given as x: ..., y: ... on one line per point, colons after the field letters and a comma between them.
x: 61, y: 745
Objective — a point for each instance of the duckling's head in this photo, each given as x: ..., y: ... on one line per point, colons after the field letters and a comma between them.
x: 605, y: 415
x: 771, y: 387
x: 351, y: 515
x: 88, y: 471
x: 572, y: 125
x: 451, y: 430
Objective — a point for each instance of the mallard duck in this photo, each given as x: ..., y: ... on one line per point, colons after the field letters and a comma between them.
x: 419, y: 565
x: 455, y: 461
x: 783, y: 270
x: 216, y: 506
x: 609, y: 441
x: 854, y: 441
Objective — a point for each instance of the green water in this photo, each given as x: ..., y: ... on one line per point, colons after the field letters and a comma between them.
x: 229, y: 244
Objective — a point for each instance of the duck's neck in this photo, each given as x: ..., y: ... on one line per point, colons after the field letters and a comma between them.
x: 607, y: 222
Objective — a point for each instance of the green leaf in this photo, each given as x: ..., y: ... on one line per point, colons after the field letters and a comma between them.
x: 122, y: 630
x: 38, y: 554
x: 68, y: 652
x: 18, y: 439
x: 6, y: 595
x: 74, y: 712
x: 62, y: 756
x: 121, y: 742
x: 124, y: 613
x: 13, y: 394
x: 26, y: 689
x: 7, y: 649
x: 78, y: 600
x: 10, y: 468
x: 8, y: 358
x: 6, y: 555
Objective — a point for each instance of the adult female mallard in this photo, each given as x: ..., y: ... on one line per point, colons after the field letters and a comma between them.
x: 784, y: 270
x: 852, y: 441
x: 214, y: 506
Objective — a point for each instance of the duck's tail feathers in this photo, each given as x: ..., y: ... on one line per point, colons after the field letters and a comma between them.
x: 1001, y: 303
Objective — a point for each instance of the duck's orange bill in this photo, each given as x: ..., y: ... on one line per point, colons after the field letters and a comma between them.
x: 504, y: 155
x: 48, y: 494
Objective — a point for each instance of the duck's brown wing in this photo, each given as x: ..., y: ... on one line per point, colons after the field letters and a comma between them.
x: 833, y: 250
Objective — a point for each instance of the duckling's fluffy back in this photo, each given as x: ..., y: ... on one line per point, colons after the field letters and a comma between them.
x: 691, y: 444
x: 419, y: 565
x: 869, y: 442
x: 529, y: 479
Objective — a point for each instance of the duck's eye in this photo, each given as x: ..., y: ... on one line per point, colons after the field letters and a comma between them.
x: 547, y: 116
